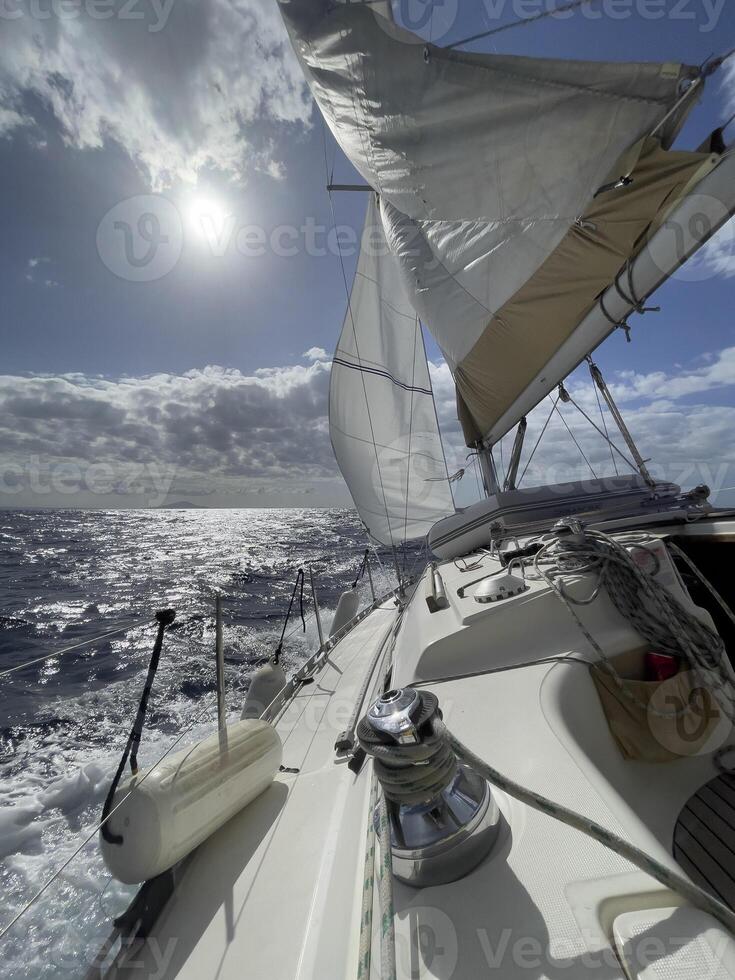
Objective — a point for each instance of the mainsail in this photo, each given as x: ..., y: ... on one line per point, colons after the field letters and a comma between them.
x: 512, y: 190
x: 382, y: 418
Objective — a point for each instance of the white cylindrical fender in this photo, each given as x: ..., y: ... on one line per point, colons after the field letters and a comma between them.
x: 266, y: 683
x: 439, y: 592
x: 347, y: 608
x: 187, y: 797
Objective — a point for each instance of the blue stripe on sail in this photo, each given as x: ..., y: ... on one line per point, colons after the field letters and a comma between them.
x: 382, y: 374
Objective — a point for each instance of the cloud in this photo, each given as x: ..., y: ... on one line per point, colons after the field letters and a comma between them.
x: 718, y: 255
x: 719, y: 372
x: 33, y: 268
x: 217, y: 435
x: 179, y: 85
x: 316, y: 354
x: 689, y: 440
x: 214, y: 430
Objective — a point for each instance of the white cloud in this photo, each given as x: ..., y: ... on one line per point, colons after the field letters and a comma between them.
x: 718, y: 255
x: 688, y: 440
x: 316, y: 354
x: 718, y: 372
x: 34, y: 267
x: 219, y: 435
x: 184, y: 88
x: 215, y: 430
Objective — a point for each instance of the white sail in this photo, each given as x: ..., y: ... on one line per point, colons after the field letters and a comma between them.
x: 382, y: 417
x: 485, y: 165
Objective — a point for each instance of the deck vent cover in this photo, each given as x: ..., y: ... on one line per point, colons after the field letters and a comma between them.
x: 499, y: 587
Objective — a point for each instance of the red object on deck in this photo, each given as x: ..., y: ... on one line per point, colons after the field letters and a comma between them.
x: 661, y: 666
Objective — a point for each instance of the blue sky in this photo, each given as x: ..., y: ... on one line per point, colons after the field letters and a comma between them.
x: 203, y: 104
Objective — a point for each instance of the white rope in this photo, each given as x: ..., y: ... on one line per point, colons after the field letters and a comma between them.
x: 574, y: 439
x: 612, y: 445
x: 649, y: 865
x: 650, y: 608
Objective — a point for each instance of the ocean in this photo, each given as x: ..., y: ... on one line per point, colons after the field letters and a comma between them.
x: 68, y: 576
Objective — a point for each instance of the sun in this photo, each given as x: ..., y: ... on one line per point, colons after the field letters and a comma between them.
x: 207, y: 217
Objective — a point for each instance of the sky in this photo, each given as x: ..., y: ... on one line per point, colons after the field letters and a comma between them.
x: 201, y: 374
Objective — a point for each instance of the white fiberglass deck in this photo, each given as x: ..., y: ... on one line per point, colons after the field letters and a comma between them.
x: 276, y: 894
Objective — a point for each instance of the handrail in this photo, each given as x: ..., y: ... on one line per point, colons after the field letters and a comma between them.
x: 308, y: 668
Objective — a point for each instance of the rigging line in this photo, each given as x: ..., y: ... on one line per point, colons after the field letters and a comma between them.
x: 604, y: 423
x: 410, y: 437
x: 357, y: 346
x: 566, y: 425
x: 76, y: 646
x: 475, y: 469
x: 538, y: 441
x: 6, y: 929
x: 622, y: 455
x: 523, y: 22
x: 436, y: 415
x: 502, y: 462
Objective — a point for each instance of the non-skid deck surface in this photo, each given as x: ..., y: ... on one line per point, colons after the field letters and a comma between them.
x: 704, y: 838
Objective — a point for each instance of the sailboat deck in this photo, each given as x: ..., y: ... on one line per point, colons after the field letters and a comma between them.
x: 253, y: 899
x: 277, y: 892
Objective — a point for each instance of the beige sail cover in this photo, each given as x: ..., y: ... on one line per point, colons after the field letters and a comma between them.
x: 522, y: 337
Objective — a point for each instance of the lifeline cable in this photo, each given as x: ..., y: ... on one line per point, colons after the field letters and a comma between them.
x: 76, y: 646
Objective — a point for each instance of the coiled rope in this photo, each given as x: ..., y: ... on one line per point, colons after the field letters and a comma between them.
x: 650, y: 608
